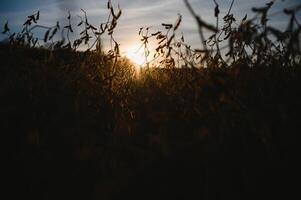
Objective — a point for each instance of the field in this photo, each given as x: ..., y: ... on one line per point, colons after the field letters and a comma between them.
x: 192, y: 124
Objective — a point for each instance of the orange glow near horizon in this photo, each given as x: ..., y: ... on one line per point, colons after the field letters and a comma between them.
x: 135, y: 54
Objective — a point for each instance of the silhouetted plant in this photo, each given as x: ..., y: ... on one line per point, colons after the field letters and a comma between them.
x: 85, y: 118
x: 252, y: 43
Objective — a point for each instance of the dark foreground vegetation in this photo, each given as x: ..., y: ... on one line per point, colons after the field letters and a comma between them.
x: 84, y: 125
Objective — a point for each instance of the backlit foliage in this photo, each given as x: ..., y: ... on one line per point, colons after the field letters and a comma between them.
x: 81, y: 123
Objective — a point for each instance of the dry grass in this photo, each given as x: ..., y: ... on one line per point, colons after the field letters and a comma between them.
x: 195, y: 123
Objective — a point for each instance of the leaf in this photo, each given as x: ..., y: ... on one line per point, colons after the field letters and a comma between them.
x: 118, y: 14
x: 288, y: 11
x: 86, y: 38
x: 182, y: 38
x: 58, y: 25
x: 46, y: 35
x: 167, y: 26
x: 53, y: 33
x: 159, y: 37
x: 216, y: 11
x: 227, y: 36
x: 67, y: 46
x: 211, y: 37
x: 168, y: 53
x: 170, y: 39
x: 158, y: 48
x: 32, y: 18
x: 116, y: 48
x: 270, y: 3
x: 260, y: 10
x: 229, y: 53
x: 69, y: 15
x: 27, y: 22
x: 178, y: 22
x: 6, y: 29
x: 201, y: 51
x: 38, y: 15
x: 154, y: 34
x: 83, y: 32
x: 140, y: 30
x: 112, y: 11
x: 162, y: 40
x: 245, y: 18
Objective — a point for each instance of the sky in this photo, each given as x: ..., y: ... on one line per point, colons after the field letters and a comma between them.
x: 136, y: 14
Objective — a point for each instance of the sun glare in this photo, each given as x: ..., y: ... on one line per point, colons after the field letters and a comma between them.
x: 135, y: 54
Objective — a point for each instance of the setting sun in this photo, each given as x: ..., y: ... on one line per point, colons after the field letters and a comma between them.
x: 135, y: 54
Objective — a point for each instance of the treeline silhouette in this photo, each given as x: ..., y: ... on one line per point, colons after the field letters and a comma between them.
x: 192, y: 124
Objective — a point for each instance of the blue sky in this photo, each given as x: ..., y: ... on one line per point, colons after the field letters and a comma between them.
x: 136, y: 13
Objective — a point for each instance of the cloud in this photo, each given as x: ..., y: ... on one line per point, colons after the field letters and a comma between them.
x: 136, y: 13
